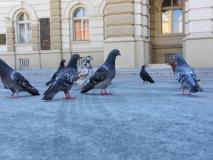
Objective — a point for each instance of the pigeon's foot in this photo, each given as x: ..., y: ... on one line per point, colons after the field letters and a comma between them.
x: 183, y: 92
x: 71, y: 97
x: 12, y: 97
x: 105, y: 93
x: 186, y: 94
x: 68, y: 96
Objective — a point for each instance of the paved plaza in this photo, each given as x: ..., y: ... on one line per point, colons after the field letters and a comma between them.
x: 138, y: 122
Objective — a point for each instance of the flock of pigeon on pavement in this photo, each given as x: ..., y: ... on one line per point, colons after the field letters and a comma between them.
x: 66, y: 76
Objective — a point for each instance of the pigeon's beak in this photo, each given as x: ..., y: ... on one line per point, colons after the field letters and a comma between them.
x: 119, y: 54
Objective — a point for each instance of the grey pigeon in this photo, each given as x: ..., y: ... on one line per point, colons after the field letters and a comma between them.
x: 186, y: 76
x: 14, y: 81
x: 64, y: 80
x: 62, y: 65
x: 145, y: 75
x: 103, y: 76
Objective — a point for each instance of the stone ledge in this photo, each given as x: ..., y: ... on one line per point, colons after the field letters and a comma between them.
x: 156, y: 72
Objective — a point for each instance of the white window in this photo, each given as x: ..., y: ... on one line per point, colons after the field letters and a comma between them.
x: 81, y: 25
x: 172, y: 16
x: 24, y: 31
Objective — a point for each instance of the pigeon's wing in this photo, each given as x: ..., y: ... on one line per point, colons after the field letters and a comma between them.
x: 99, y: 76
x: 145, y: 76
x: 23, y: 83
x: 187, y: 81
x: 67, y: 76
x: 148, y: 77
x: 63, y: 82
x: 186, y: 69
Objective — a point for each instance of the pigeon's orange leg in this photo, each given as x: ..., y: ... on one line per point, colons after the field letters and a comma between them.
x: 189, y: 94
x: 12, y: 95
x: 183, y: 92
x: 105, y: 93
x: 65, y: 95
x: 68, y: 96
x: 102, y: 93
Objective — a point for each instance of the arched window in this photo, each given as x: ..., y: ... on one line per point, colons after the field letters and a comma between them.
x: 81, y: 25
x: 172, y: 16
x: 24, y: 31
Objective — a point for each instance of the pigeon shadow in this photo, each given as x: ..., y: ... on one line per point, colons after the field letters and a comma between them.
x: 99, y: 95
x: 59, y: 100
x: 22, y: 96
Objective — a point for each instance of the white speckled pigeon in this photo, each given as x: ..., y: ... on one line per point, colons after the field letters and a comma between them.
x: 103, y: 76
x: 64, y: 80
x: 145, y: 75
x: 14, y: 81
x: 86, y: 71
x: 86, y: 60
x: 62, y: 65
x: 186, y: 76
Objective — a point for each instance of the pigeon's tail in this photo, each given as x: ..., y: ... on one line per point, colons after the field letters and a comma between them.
x: 33, y: 91
x: 196, y: 88
x: 50, y: 93
x: 29, y: 88
x: 151, y: 81
x: 87, y: 87
x: 48, y: 83
x: 49, y: 97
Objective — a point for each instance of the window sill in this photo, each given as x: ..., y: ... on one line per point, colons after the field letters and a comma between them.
x: 23, y: 44
x: 87, y: 41
x: 172, y: 34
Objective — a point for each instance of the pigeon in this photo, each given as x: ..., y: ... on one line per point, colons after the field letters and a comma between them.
x: 145, y: 75
x: 64, y: 80
x: 86, y: 61
x: 173, y: 65
x: 103, y: 76
x: 86, y: 71
x: 186, y: 76
x: 62, y: 64
x: 14, y: 81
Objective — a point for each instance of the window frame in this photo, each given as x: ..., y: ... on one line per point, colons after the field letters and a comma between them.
x: 172, y: 8
x: 27, y: 31
x: 82, y: 19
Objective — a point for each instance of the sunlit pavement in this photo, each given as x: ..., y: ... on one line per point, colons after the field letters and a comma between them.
x: 137, y: 122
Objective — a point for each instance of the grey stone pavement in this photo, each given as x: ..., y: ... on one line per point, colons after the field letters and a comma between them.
x: 138, y: 122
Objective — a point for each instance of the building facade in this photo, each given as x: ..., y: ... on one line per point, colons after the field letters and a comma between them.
x: 38, y: 34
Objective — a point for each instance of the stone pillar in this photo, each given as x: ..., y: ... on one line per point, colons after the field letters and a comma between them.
x: 126, y: 24
x: 199, y: 33
x: 35, y: 36
x: 119, y: 31
x: 10, y: 36
x: 55, y: 26
x: 142, y: 32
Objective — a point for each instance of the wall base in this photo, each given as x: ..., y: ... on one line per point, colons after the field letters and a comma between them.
x: 198, y: 52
